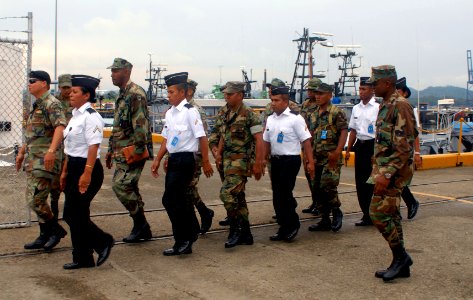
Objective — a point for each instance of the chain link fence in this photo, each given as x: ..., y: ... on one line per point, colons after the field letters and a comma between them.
x: 15, y: 101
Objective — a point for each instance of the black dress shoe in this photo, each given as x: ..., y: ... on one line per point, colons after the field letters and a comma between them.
x: 323, y: 225
x: 76, y: 265
x: 224, y: 222
x: 207, y: 221
x: 364, y: 223
x: 179, y: 248
x: 275, y: 217
x: 105, y: 253
x: 291, y: 235
x: 276, y: 237
x: 412, y: 210
x: 309, y: 209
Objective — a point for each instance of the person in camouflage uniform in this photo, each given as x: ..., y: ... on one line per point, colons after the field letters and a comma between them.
x: 64, y: 84
x: 43, y: 134
x: 130, y: 128
x: 307, y: 108
x: 392, y: 167
x: 330, y: 130
x: 235, y: 138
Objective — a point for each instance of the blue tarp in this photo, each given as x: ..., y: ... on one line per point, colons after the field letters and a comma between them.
x: 467, y: 128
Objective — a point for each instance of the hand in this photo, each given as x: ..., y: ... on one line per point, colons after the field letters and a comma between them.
x: 207, y: 168
x: 310, y: 167
x: 49, y: 159
x: 347, y: 157
x: 257, y: 170
x: 108, y: 160
x: 381, y: 184
x: 218, y: 161
x: 84, y: 182
x: 418, y: 161
x: 19, y: 161
x: 333, y: 158
x: 264, y: 163
x: 154, y: 168
x: 62, y: 181
x: 165, y: 165
x: 214, y: 152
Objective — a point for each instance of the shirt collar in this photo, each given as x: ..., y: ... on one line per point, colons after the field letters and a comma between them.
x: 181, y: 105
x: 372, y: 102
x: 82, y: 109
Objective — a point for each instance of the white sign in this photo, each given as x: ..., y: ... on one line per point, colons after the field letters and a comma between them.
x: 446, y: 102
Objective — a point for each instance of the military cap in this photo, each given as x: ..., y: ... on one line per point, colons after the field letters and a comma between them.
x: 64, y: 80
x: 234, y: 87
x: 313, y: 83
x: 120, y: 63
x: 176, y: 78
x: 192, y: 84
x: 401, y: 84
x: 275, y: 82
x: 324, y: 88
x: 88, y: 82
x: 380, y: 72
x: 364, y: 81
x: 280, y: 90
x: 41, y: 75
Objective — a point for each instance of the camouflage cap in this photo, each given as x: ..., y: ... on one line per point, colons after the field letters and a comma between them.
x: 120, y: 63
x: 234, y: 87
x: 275, y: 82
x: 380, y: 72
x: 313, y: 83
x: 192, y: 84
x: 64, y: 80
x: 324, y: 88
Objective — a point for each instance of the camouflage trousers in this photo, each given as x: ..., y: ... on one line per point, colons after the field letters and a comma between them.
x: 125, y: 185
x: 192, y: 191
x: 325, y: 186
x: 38, y: 187
x: 232, y: 195
x: 386, y: 216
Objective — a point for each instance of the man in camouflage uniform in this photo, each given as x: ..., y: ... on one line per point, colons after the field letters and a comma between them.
x: 329, y: 126
x: 307, y: 108
x: 64, y: 84
x: 392, y: 167
x: 238, y: 131
x: 43, y: 133
x: 130, y: 128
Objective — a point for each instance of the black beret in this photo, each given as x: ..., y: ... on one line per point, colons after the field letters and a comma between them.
x: 364, y: 81
x: 88, y: 82
x: 279, y: 90
x: 41, y: 75
x: 176, y: 78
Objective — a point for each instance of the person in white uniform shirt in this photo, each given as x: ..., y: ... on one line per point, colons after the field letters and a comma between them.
x: 183, y: 133
x: 82, y: 175
x: 285, y: 131
x: 361, y: 139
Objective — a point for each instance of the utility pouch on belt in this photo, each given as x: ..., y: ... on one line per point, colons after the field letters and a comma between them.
x: 132, y: 157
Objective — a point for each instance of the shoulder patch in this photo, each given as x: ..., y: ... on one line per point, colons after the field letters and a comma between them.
x: 91, y: 110
x: 294, y: 112
x: 188, y: 105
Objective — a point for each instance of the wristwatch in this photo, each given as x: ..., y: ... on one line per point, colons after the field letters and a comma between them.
x: 387, y: 175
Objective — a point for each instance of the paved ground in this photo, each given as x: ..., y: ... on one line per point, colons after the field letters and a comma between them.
x: 315, y: 266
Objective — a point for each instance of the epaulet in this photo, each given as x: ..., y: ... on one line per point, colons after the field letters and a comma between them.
x: 91, y: 110
x: 188, y: 105
x: 294, y: 112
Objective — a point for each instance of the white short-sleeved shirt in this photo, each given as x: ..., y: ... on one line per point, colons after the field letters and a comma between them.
x: 363, y: 119
x: 84, y: 129
x: 293, y: 129
x: 183, y: 128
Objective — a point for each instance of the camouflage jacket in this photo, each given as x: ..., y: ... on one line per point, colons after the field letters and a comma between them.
x: 202, y: 113
x: 394, y: 145
x: 66, y: 106
x: 307, y: 108
x: 268, y: 110
x: 131, y: 122
x: 237, y: 129
x: 326, y: 129
x: 47, y: 114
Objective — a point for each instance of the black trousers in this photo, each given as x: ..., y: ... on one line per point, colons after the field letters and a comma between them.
x: 364, y: 151
x: 176, y: 200
x: 85, y: 235
x: 284, y: 170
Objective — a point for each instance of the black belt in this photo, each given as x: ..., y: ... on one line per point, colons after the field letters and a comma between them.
x: 365, y: 141
x: 77, y: 159
x: 181, y: 154
x: 284, y: 156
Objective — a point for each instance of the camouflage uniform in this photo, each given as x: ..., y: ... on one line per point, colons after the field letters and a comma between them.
x: 236, y: 129
x: 130, y: 127
x: 46, y: 115
x: 394, y: 149
x: 326, y: 181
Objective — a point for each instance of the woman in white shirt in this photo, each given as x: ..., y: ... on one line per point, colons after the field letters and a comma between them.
x: 82, y: 175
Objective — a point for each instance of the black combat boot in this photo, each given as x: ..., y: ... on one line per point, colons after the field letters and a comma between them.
x: 141, y: 230
x: 234, y: 234
x: 206, y: 217
x: 246, y: 238
x: 337, y: 217
x: 401, y: 263
x: 44, y: 234
x: 310, y: 208
x: 58, y: 232
x: 322, y: 225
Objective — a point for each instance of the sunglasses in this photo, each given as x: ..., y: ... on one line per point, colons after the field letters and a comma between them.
x: 33, y: 80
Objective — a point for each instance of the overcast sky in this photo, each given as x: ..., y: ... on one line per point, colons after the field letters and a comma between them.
x: 425, y: 39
